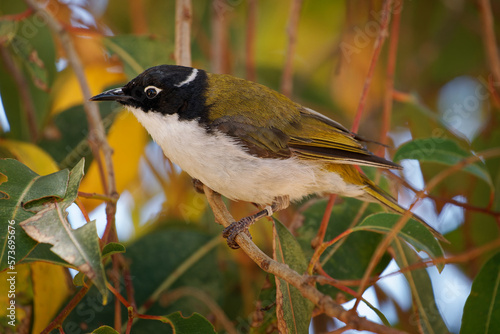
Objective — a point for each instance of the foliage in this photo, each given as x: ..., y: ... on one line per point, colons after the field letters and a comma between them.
x: 438, y: 102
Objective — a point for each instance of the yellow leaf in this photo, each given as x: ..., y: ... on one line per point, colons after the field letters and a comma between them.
x: 20, y: 292
x: 128, y: 139
x: 50, y: 291
x: 31, y: 155
x: 67, y: 92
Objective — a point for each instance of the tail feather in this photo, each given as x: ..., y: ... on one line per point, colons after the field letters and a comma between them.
x: 389, y: 202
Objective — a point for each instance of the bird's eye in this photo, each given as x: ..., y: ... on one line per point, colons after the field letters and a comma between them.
x: 151, y: 91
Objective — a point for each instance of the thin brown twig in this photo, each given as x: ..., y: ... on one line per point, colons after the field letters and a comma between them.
x: 202, y: 296
x: 116, y: 282
x: 302, y: 282
x: 250, y: 41
x: 320, y: 236
x: 219, y: 53
x: 379, y: 42
x: 17, y: 17
x: 438, y: 199
x: 97, y: 134
x: 492, y: 152
x: 82, y: 209
x: 96, y: 196
x: 341, y: 330
x: 494, y: 93
x: 57, y: 322
x: 489, y: 38
x: 464, y: 257
x: 183, y: 17
x: 129, y: 287
x: 28, y: 107
x: 389, y: 83
x: 292, y: 29
x: 138, y: 17
x: 382, y: 247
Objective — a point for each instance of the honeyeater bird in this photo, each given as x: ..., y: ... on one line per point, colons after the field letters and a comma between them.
x: 249, y: 142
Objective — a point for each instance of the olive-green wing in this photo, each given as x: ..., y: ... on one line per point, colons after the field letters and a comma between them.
x: 270, y: 125
x: 321, y: 138
x: 261, y: 141
x: 256, y: 116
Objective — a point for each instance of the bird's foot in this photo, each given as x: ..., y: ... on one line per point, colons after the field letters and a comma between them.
x: 198, y: 186
x: 236, y: 228
x: 230, y: 232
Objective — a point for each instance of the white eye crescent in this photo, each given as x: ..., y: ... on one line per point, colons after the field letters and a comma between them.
x: 151, y: 91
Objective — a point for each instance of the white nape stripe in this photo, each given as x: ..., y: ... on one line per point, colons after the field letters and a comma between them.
x: 190, y: 78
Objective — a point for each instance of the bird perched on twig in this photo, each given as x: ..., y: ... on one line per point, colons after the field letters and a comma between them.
x: 249, y: 142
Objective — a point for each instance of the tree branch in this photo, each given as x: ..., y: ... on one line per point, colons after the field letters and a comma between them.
x: 376, y: 53
x: 24, y: 92
x: 389, y: 83
x: 250, y: 41
x: 183, y: 17
x: 97, y: 134
x: 489, y: 39
x: 292, y: 28
x: 302, y: 282
x: 206, y: 299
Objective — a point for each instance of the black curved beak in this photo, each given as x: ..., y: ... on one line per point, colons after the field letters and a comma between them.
x: 115, y: 94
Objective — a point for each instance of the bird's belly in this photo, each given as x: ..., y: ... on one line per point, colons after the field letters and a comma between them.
x: 222, y: 164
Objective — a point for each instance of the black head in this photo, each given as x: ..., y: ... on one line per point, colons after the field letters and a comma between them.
x: 167, y: 89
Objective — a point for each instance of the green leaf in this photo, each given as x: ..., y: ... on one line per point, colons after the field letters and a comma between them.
x: 414, y: 232
x: 79, y: 279
x: 34, y: 65
x: 42, y: 252
x: 482, y: 308
x: 265, y: 319
x: 8, y: 30
x: 377, y: 312
x: 496, y: 201
x: 195, y: 324
x: 105, y: 330
x: 71, y: 144
x: 429, y: 319
x: 23, y: 186
x: 112, y: 248
x: 153, y: 258
x: 293, y: 310
x: 33, y: 51
x: 441, y: 151
x: 78, y: 247
x: 348, y: 258
x: 46, y: 188
x: 138, y: 52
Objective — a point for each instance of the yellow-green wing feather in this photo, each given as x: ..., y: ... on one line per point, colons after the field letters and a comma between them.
x: 390, y: 202
x: 272, y: 126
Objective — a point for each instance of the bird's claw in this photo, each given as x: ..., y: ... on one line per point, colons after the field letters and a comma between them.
x: 234, y: 229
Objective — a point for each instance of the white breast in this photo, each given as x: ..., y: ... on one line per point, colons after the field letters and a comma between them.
x: 220, y: 163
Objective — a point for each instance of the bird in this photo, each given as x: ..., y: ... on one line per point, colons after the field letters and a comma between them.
x: 250, y: 143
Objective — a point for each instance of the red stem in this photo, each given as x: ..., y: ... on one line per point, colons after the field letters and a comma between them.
x: 250, y: 41
x: 376, y: 52
x: 293, y: 24
x: 57, y: 322
x: 17, y: 17
x: 391, y: 68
